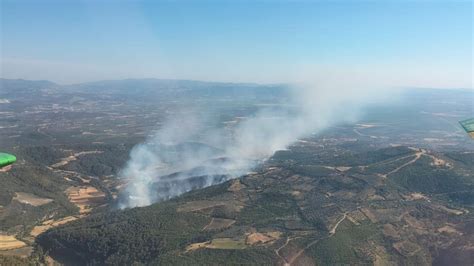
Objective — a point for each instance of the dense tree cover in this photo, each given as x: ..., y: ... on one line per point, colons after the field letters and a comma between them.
x: 269, y: 207
x: 370, y: 157
x: 345, y: 246
x: 421, y: 176
x: 124, y: 237
x: 109, y: 162
x: 463, y: 197
x: 466, y: 158
x: 340, y: 158
x: 250, y: 256
x: 42, y: 155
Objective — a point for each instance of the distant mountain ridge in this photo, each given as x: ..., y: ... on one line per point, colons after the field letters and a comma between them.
x: 148, y: 89
x: 24, y: 83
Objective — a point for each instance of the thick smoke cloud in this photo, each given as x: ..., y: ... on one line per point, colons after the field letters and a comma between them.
x: 187, y: 152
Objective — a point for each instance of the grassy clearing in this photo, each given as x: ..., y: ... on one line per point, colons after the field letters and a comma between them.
x: 219, y: 243
x: 227, y: 243
x: 218, y: 223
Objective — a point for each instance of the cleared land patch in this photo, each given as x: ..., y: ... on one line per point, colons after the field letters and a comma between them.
x: 85, y: 197
x: 31, y: 199
x: 415, y: 196
x: 195, y: 246
x: 236, y: 186
x: 406, y: 248
x: 262, y: 238
x: 8, y: 242
x: 50, y: 224
x: 449, y: 229
x: 219, y: 243
x: 227, y: 243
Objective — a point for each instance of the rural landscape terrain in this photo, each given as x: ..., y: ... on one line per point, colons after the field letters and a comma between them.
x: 394, y: 187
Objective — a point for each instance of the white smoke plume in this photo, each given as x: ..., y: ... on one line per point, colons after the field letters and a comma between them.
x: 187, y: 152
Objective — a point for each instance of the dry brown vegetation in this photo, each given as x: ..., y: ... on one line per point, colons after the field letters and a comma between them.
x: 8, y: 242
x: 49, y: 224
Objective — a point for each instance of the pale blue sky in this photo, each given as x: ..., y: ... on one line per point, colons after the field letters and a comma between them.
x: 412, y: 43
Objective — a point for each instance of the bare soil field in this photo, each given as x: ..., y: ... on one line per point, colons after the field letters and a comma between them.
x: 262, y: 238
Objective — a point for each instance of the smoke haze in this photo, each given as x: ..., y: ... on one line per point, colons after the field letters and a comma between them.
x: 190, y: 151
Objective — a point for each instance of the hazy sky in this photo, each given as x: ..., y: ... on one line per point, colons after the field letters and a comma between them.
x: 412, y: 43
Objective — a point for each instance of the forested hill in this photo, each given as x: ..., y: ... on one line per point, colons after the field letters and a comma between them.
x: 330, y: 207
